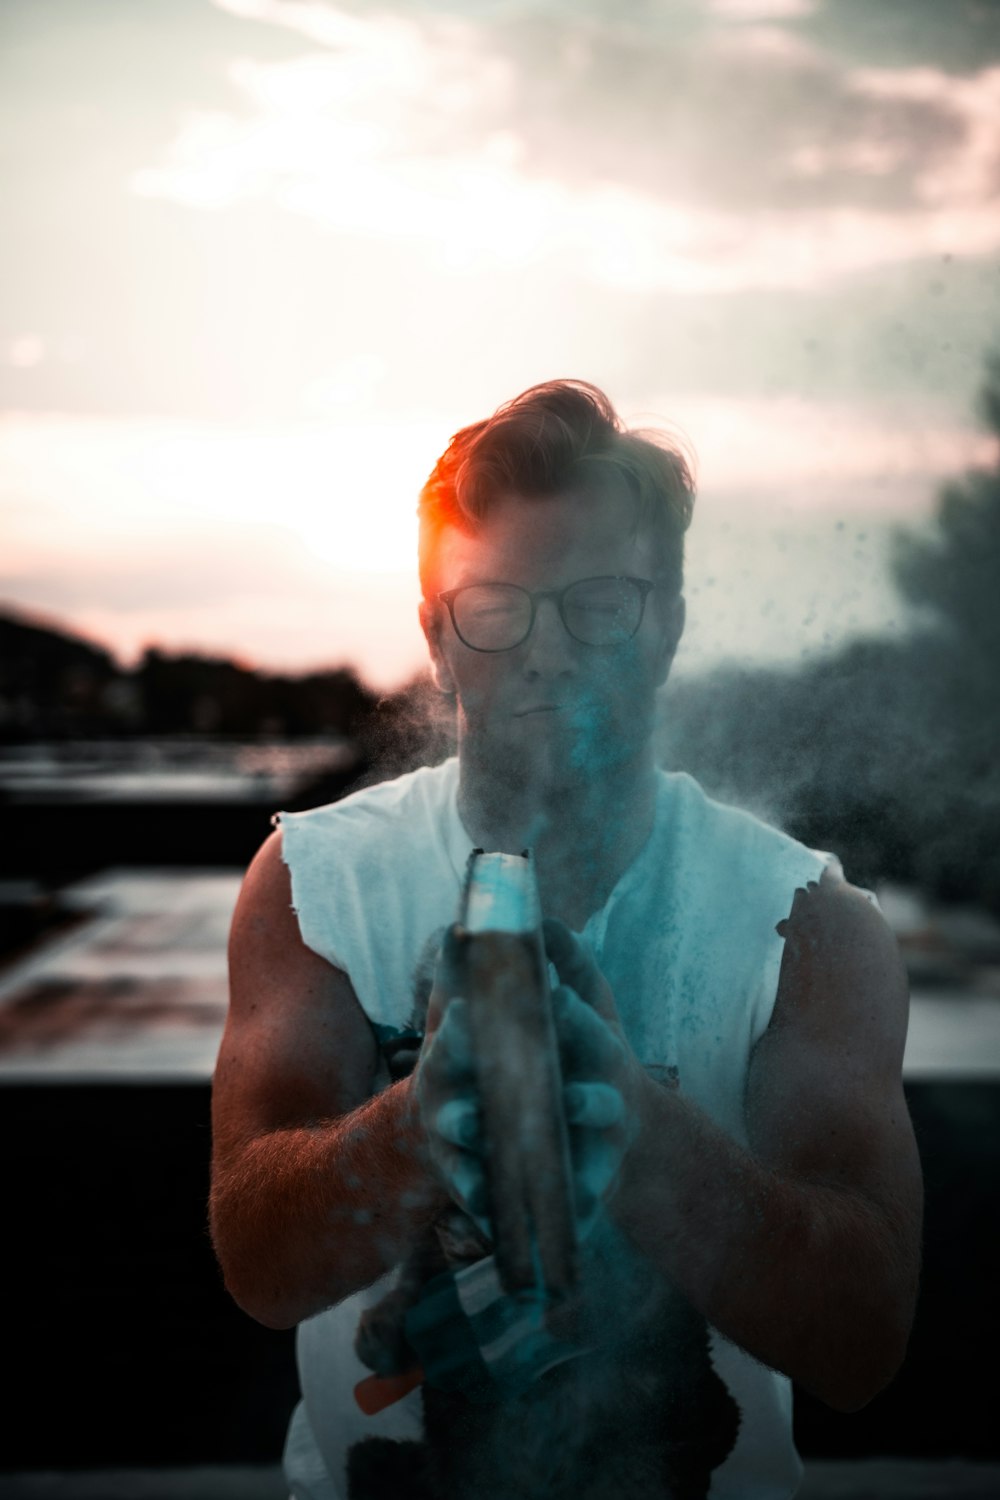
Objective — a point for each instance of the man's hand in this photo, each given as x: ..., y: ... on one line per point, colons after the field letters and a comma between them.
x: 600, y: 1075
x: 317, y: 1184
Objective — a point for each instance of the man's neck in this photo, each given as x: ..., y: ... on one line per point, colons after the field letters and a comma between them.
x: 584, y: 831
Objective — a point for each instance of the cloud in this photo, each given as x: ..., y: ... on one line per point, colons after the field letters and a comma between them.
x: 762, y: 10
x: 970, y: 175
x: 815, y: 453
x: 959, y: 36
x: 426, y: 210
x: 751, y: 162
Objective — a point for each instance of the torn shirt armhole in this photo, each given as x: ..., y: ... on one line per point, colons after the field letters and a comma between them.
x: 279, y: 827
x: 767, y: 993
x: 311, y: 901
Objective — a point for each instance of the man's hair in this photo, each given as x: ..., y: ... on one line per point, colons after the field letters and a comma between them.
x: 551, y: 439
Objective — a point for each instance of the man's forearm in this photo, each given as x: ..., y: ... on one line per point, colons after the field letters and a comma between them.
x: 303, y: 1217
x: 808, y: 1278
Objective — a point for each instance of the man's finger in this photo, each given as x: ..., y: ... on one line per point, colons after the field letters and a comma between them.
x: 451, y: 1044
x: 447, y: 978
x: 465, y: 1179
x: 597, y: 1106
x: 587, y: 1045
x: 588, y: 1210
x: 596, y: 1163
x: 459, y: 1121
x: 576, y: 967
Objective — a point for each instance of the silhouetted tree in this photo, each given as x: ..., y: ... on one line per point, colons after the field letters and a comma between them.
x: 212, y: 695
x: 950, y: 575
x: 822, y: 750
x: 51, y: 682
x: 884, y: 751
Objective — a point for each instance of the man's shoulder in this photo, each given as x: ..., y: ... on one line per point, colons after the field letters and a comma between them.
x: 694, y: 806
x: 382, y: 847
x: 716, y: 836
x: 427, y: 788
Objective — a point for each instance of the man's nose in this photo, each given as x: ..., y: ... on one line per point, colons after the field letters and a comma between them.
x: 549, y: 649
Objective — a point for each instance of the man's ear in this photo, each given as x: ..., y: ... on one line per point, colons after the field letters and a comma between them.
x: 430, y: 624
x: 674, y: 615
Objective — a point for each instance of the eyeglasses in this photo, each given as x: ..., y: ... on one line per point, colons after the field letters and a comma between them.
x: 595, y: 611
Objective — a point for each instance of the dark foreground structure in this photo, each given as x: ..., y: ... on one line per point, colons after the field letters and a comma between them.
x: 124, y: 1349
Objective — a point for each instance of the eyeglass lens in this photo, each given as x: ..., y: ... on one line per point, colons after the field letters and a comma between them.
x: 596, y: 611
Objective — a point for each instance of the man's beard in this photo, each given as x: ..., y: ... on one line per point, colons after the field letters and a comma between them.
x: 549, y: 759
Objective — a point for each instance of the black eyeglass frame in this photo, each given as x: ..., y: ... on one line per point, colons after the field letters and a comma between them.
x: 644, y: 585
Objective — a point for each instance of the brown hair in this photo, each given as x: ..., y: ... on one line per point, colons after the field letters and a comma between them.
x: 548, y: 440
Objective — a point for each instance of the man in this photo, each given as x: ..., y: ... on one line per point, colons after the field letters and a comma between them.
x: 773, y: 1185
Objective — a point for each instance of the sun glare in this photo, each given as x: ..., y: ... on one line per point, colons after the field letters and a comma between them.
x: 351, y: 136
x: 349, y: 495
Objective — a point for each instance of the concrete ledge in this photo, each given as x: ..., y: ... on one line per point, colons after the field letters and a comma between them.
x: 900, y: 1479
x: 868, y: 1479
x: 211, y: 1482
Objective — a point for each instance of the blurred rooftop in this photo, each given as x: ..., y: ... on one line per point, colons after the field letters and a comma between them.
x: 71, y: 808
x: 133, y: 987
x: 178, y: 769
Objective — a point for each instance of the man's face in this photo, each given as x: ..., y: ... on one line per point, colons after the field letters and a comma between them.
x: 554, y: 707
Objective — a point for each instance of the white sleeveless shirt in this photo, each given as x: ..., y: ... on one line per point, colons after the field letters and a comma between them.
x: 688, y: 944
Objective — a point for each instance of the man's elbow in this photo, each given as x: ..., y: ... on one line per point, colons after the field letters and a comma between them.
x: 854, y: 1392
x: 255, y: 1273
x: 275, y: 1290
x: 871, y: 1333
x: 850, y: 1382
x: 258, y: 1295
x: 273, y: 1311
x: 262, y: 1292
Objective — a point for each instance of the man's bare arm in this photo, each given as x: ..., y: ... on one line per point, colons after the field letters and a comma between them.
x: 317, y: 1188
x: 805, y: 1249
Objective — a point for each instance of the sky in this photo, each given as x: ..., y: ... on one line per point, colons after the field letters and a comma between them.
x: 261, y: 258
